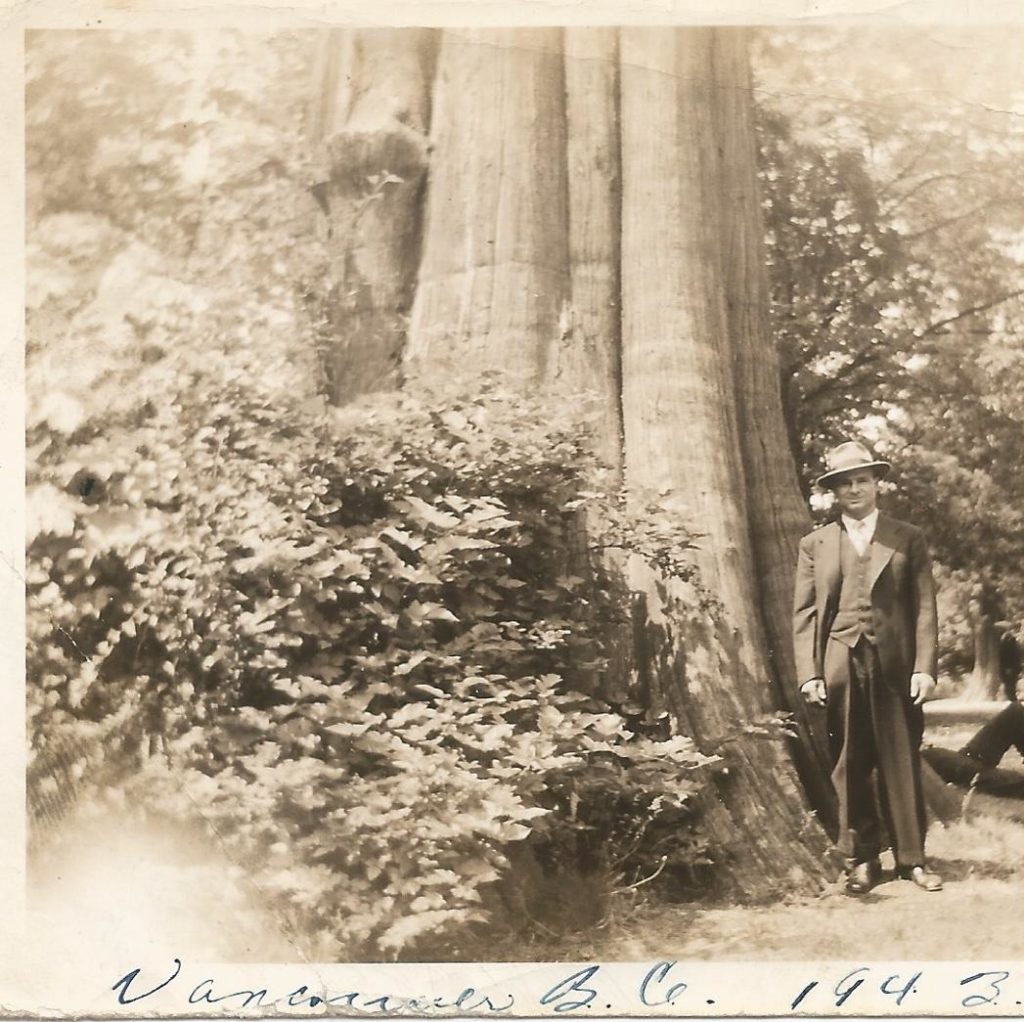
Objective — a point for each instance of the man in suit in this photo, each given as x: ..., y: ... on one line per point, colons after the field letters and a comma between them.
x: 865, y: 631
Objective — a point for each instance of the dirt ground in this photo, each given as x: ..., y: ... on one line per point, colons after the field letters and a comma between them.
x: 979, y: 914
x: 110, y: 884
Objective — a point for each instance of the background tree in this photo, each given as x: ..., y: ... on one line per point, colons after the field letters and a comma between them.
x: 895, y: 215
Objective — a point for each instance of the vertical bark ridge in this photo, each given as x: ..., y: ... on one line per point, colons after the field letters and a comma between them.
x: 776, y: 514
x: 588, y: 353
x: 330, y: 103
x: 494, y: 274
x: 682, y: 434
x: 681, y: 425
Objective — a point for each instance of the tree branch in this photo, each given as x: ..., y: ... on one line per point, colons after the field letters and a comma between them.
x: 935, y: 327
x: 949, y: 221
x: 901, y: 199
x: 851, y: 407
x: 861, y: 359
x: 908, y: 169
x: 646, y: 880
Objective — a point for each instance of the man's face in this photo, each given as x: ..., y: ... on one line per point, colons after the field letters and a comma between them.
x: 857, y: 492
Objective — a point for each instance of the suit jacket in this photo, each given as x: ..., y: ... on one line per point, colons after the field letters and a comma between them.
x: 902, y: 600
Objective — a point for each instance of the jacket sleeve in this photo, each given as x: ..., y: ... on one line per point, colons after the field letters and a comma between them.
x: 926, y: 625
x: 805, y: 614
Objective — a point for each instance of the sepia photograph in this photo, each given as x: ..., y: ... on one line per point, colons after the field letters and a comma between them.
x: 525, y: 494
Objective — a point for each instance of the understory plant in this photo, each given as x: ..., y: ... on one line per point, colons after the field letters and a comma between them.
x: 366, y: 647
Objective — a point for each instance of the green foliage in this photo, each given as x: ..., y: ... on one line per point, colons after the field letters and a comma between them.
x: 842, y: 291
x: 895, y: 215
x: 162, y: 132
x: 366, y: 651
x: 363, y: 647
x: 166, y: 201
x: 956, y: 635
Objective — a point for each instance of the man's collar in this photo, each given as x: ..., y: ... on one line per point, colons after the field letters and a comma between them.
x: 871, y: 521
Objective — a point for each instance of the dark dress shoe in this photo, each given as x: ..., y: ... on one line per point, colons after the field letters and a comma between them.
x: 863, y: 876
x: 920, y: 876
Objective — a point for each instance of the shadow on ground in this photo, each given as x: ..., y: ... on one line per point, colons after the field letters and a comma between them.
x: 980, y: 856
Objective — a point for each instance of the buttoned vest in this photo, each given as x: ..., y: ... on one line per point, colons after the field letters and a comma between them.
x: 853, y: 615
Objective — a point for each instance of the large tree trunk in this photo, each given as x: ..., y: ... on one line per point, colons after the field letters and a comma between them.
x: 682, y: 434
x: 587, y: 355
x: 371, y: 120
x: 776, y: 514
x: 585, y: 220
x: 494, y: 281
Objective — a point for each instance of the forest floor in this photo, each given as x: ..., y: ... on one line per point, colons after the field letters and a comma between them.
x: 164, y: 888
x: 978, y: 915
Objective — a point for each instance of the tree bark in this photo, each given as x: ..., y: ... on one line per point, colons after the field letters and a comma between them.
x: 494, y: 280
x: 776, y: 515
x: 983, y: 683
x: 587, y: 356
x: 682, y: 435
x: 371, y: 121
x: 584, y: 169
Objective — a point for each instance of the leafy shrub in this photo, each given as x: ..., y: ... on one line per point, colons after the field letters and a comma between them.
x: 369, y: 655
x: 365, y: 650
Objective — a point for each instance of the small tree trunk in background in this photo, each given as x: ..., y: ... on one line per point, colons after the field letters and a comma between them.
x: 494, y: 280
x: 371, y: 119
x: 983, y: 682
x: 682, y: 434
x: 776, y: 515
x: 588, y: 353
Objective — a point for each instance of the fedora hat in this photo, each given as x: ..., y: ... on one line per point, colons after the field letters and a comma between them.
x: 848, y: 457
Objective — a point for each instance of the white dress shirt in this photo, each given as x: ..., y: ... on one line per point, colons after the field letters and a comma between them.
x: 860, y: 530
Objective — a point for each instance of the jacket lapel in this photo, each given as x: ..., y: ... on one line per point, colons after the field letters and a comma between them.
x: 829, y: 560
x: 883, y: 545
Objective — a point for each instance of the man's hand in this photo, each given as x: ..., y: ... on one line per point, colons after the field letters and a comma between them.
x: 813, y: 691
x: 921, y: 686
